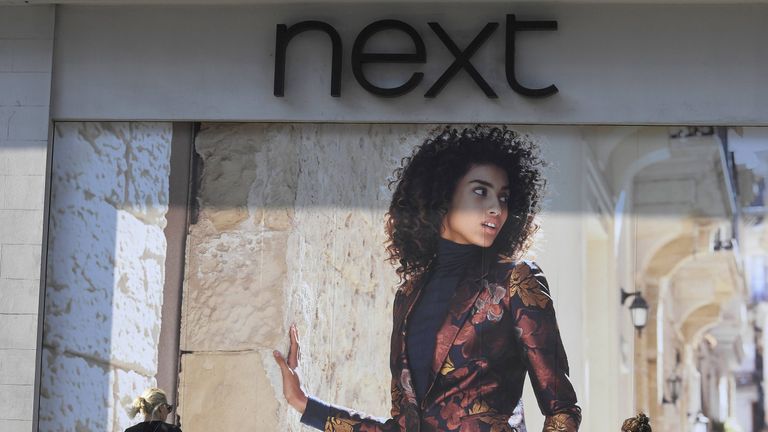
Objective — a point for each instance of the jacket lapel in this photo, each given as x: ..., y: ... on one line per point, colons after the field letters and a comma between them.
x: 410, y: 295
x: 463, y: 300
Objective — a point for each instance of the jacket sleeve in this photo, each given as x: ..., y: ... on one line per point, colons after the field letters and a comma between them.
x: 542, y: 348
x: 331, y: 418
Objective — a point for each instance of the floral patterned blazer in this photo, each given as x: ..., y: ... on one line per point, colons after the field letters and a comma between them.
x: 500, y: 325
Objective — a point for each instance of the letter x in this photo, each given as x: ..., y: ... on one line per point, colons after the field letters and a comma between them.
x: 462, y: 60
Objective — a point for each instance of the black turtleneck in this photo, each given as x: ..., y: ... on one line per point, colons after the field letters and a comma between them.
x: 430, y: 312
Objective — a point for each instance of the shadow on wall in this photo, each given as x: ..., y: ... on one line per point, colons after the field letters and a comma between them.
x: 104, y: 281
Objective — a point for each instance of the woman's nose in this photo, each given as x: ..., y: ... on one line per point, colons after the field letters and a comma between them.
x: 494, y: 209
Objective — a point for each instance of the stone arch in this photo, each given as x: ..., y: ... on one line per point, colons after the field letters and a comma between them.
x: 699, y: 321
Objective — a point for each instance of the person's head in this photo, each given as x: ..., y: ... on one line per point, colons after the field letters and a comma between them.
x: 480, y: 185
x: 153, y: 404
x: 640, y: 423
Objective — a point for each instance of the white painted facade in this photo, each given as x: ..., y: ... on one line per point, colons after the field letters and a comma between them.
x: 26, y: 57
x: 616, y: 64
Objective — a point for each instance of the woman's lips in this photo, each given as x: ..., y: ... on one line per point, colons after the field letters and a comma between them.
x: 489, y: 228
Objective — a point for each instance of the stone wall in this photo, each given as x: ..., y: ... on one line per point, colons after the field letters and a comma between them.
x: 26, y: 52
x: 104, y: 285
x: 290, y: 229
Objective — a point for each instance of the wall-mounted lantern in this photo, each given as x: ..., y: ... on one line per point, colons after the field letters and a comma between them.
x: 638, y: 309
x: 698, y: 418
x: 673, y: 385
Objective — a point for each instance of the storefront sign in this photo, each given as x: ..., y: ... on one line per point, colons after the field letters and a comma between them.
x: 361, y: 57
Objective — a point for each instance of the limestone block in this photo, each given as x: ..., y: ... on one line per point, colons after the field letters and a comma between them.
x: 19, y: 88
x: 19, y: 331
x: 19, y: 296
x: 80, y: 280
x: 227, y: 392
x: 19, y: 261
x: 234, y: 291
x: 72, y: 384
x: 138, y: 294
x: 148, y: 171
x: 114, y: 311
x: 16, y: 401
x: 15, y: 425
x: 229, y: 169
x: 88, y: 165
x: 314, y: 241
x: 28, y: 122
x: 22, y: 157
x: 25, y: 192
x: 21, y: 226
x: 17, y: 366
x: 124, y: 164
x: 249, y: 170
x: 107, y: 247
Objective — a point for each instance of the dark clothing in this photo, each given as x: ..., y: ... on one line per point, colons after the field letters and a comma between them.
x: 153, y: 426
x: 500, y: 326
x: 429, y: 313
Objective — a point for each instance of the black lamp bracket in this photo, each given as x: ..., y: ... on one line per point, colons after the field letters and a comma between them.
x: 625, y: 295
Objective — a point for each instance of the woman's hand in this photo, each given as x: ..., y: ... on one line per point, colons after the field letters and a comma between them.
x: 292, y: 391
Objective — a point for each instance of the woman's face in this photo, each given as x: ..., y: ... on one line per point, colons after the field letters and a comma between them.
x: 478, y: 208
x: 163, y: 410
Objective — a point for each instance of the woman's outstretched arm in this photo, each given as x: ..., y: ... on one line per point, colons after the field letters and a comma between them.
x: 542, y: 347
x: 318, y: 414
x: 292, y: 390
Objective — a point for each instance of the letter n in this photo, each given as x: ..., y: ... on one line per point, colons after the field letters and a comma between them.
x: 284, y: 36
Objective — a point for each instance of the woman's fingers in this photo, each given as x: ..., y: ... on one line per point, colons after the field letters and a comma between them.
x: 291, y: 383
x: 293, y: 353
x: 280, y: 360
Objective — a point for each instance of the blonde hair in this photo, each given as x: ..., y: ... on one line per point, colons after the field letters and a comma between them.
x: 148, y: 402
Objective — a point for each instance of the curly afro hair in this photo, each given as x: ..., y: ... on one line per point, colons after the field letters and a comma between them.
x: 639, y: 423
x: 425, y: 183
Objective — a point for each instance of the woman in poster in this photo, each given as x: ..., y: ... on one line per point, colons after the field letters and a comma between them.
x: 470, y: 318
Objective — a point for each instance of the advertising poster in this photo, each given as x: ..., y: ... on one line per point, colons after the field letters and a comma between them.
x: 183, y: 255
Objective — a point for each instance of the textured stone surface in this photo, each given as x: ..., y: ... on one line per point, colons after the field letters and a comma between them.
x: 291, y: 229
x: 105, y: 275
x: 69, y: 384
x: 236, y: 264
x: 227, y: 392
x: 235, y: 293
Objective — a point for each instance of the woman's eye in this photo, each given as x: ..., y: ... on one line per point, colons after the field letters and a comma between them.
x: 504, y: 198
x: 480, y: 191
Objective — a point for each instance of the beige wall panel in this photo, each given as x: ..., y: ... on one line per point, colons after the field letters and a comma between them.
x: 226, y: 392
